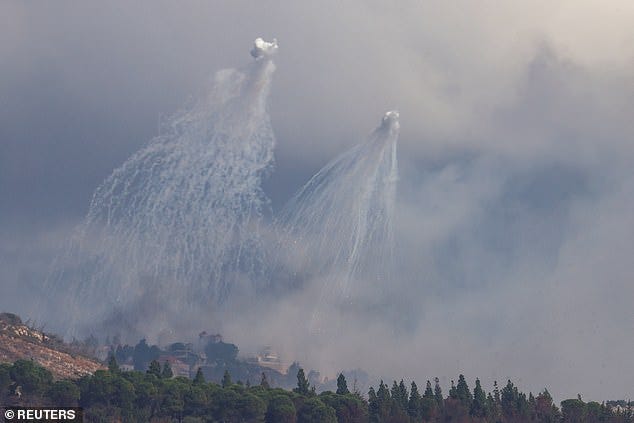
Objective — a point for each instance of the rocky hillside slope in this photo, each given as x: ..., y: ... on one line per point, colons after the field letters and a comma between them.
x: 19, y: 341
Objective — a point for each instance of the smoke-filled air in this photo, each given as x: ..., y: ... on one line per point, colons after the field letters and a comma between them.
x: 434, y: 189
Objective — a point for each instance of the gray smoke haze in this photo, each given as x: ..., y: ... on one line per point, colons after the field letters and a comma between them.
x: 514, y: 215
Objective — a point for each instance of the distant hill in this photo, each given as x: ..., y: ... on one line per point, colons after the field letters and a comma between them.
x: 20, y: 341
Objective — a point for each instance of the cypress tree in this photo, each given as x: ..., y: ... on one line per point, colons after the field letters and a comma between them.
x: 199, y: 379
x: 342, y: 385
x: 303, y: 387
x: 155, y: 368
x: 226, y: 379
x: 264, y: 381
x: 113, y: 366
x: 167, y: 372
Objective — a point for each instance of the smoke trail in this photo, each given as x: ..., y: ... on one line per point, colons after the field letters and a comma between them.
x: 338, y: 228
x: 177, y: 225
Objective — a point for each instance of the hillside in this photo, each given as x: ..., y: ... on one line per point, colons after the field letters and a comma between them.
x: 19, y: 341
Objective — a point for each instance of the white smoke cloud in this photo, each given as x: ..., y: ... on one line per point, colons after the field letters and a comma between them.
x: 263, y: 48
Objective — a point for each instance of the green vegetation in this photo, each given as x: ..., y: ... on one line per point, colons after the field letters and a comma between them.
x: 155, y: 395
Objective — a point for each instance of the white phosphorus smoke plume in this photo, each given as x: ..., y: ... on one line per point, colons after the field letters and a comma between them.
x: 178, y: 229
x: 178, y: 224
x: 338, y: 228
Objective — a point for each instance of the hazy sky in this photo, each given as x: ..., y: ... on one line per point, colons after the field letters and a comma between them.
x: 516, y: 190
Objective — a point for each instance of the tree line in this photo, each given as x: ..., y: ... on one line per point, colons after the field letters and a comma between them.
x: 156, y: 396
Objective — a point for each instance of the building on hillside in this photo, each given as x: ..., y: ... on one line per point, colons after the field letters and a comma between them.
x: 125, y: 367
x: 179, y: 368
x: 620, y: 407
x: 206, y: 338
x: 186, y: 354
x: 269, y: 359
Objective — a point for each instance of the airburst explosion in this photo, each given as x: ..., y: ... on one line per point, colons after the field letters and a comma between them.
x: 179, y: 226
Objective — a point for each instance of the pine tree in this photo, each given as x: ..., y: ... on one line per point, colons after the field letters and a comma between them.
x: 373, y: 406
x: 394, y: 391
x: 479, y: 403
x: 491, y: 405
x: 453, y: 392
x: 508, y: 399
x: 384, y: 401
x: 429, y: 393
x: 226, y: 380
x: 303, y: 387
x: 462, y: 391
x: 531, y: 401
x: 199, y: 379
x: 403, y: 395
x: 522, y: 405
x: 415, y: 404
x: 167, y: 372
x: 438, y: 392
x: 399, y: 395
x: 342, y: 385
x: 495, y: 404
x: 545, y: 410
